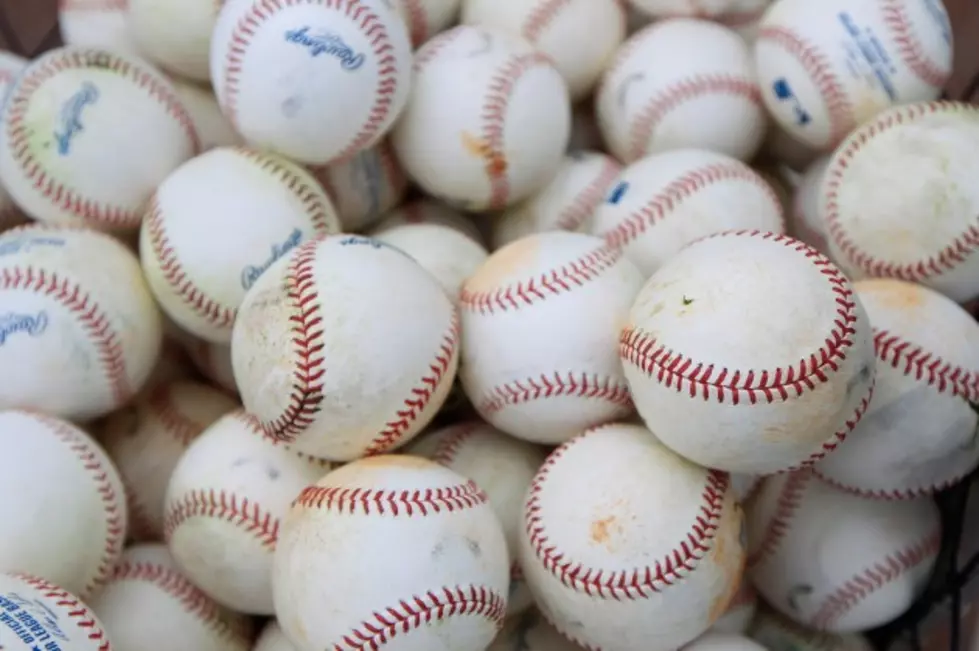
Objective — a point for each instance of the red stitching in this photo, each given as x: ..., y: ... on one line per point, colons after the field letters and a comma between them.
x: 373, y: 29
x: 141, y: 525
x: 675, y: 370
x: 421, y: 394
x: 954, y: 253
x: 255, y: 427
x: 637, y: 583
x: 115, y: 524
x: 493, y: 115
x: 540, y: 17
x: 417, y: 20
x: 584, y: 203
x: 550, y: 283
x: 450, y: 444
x: 820, y: 71
x: 909, y: 48
x: 912, y: 360
x: 307, y: 341
x: 840, y: 435
x: 419, y: 610
x: 368, y: 501
x: 84, y: 618
x: 20, y: 132
x: 890, y: 495
x: 222, y: 505
x: 788, y: 501
x: 641, y: 129
x: 436, y: 45
x: 191, y: 598
x: 870, y: 579
x: 673, y: 195
x: 92, y: 319
x: 177, y: 425
x: 558, y: 385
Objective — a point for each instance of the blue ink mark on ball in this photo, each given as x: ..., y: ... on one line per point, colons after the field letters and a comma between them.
x: 71, y: 116
x: 326, y: 43
x: 615, y: 196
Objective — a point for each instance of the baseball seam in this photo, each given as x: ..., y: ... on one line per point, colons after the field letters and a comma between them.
x: 141, y: 525
x: 421, y: 394
x: 786, y: 504
x: 71, y: 606
x: 954, y: 253
x: 447, y: 448
x: 840, y: 435
x: 540, y: 17
x: 19, y: 133
x: 419, y: 610
x: 179, y: 426
x: 568, y: 384
x: 924, y: 366
x: 407, y: 503
x: 657, y: 107
x: 193, y: 601
x: 539, y: 288
x: 371, y: 26
x: 583, y: 204
x: 255, y: 427
x: 869, y: 580
x: 241, y: 512
x: 890, y: 495
x: 93, y: 321
x: 909, y: 47
x: 664, y: 202
x: 820, y: 70
x: 417, y: 19
x: 434, y: 47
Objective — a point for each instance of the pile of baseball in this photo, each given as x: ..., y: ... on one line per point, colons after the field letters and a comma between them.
x: 454, y: 325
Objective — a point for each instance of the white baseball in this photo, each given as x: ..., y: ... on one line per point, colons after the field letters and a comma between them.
x: 426, y: 18
x: 744, y: 17
x: 63, y: 468
x: 663, y: 202
x: 805, y: 222
x: 741, y: 611
x: 223, y: 507
x: 365, y: 186
x: 428, y: 211
x: 496, y: 111
x: 712, y: 641
x: 567, y: 203
x: 96, y: 23
x: 795, y: 384
x: 579, y: 36
x: 213, y: 128
x: 503, y: 467
x: 317, y: 80
x: 826, y: 67
x: 345, y: 347
x: 448, y: 254
x: 146, y: 440
x: 921, y: 431
x: 609, y: 571
x: 174, y: 34
x: 681, y: 83
x: 442, y: 587
x: 909, y: 161
x: 33, y: 611
x: 539, y: 326
x: 711, y: 9
x: 149, y: 605
x: 213, y: 361
x: 11, y: 65
x: 834, y: 561
x: 217, y: 223
x: 531, y: 632
x: 79, y: 323
x: 68, y: 108
x: 779, y: 633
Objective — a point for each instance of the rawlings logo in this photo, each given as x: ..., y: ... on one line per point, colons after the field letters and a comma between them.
x: 71, y: 116
x: 32, y: 324
x: 250, y: 273
x: 326, y: 43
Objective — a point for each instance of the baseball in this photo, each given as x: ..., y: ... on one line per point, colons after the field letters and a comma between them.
x: 805, y: 222
x: 778, y: 633
x: 147, y: 439
x: 67, y: 109
x: 501, y: 138
x: 364, y: 187
x: 531, y: 632
x: 743, y: 369
x: 539, y: 324
x: 503, y: 467
x: 681, y: 83
x: 79, y: 324
x: 62, y: 468
x: 921, y: 431
x: 713, y: 9
x: 834, y: 561
x: 428, y: 211
x: 96, y: 23
x: 608, y: 570
x: 661, y: 203
x: 148, y: 605
x: 826, y: 67
x: 174, y: 34
x: 426, y: 18
x: 212, y: 127
x: 33, y: 612
x: 315, y: 81
x: 567, y: 203
x: 442, y: 587
x: 223, y: 507
x: 556, y: 28
x: 909, y: 161
x: 11, y: 65
x: 723, y: 642
x: 217, y: 223
x: 331, y: 305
